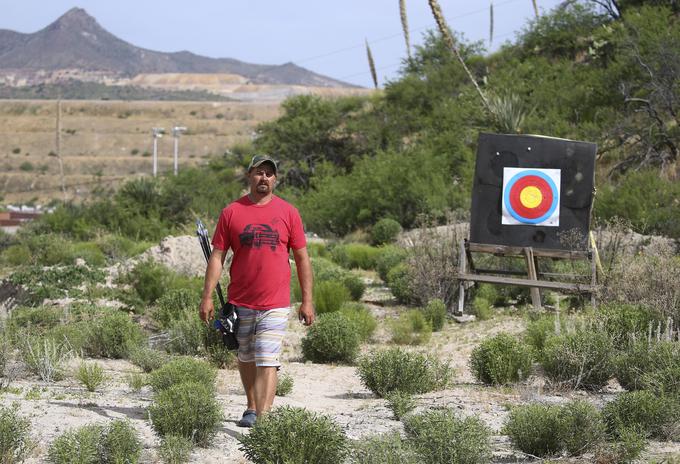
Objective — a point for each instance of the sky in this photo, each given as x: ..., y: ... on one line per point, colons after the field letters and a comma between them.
x: 324, y: 36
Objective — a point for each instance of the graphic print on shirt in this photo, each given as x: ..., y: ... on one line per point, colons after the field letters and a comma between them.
x: 259, y: 235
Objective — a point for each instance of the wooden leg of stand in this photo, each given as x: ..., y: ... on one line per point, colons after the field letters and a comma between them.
x: 462, y: 269
x: 533, y: 275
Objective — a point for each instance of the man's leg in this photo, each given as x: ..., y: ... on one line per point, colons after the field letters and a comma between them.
x: 265, y: 388
x: 248, y: 373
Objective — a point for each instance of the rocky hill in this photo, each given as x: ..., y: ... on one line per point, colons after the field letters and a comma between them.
x: 76, y: 46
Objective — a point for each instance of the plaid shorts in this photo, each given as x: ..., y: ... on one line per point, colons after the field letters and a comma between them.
x: 260, y: 335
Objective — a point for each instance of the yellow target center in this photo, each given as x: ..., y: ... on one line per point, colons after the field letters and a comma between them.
x: 530, y: 197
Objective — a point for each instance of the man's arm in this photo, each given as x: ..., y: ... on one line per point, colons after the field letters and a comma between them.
x: 304, y: 272
x: 213, y: 272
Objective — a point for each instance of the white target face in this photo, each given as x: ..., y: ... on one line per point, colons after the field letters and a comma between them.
x: 531, y: 197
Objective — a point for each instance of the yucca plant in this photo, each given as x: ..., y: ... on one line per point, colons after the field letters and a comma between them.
x: 508, y: 112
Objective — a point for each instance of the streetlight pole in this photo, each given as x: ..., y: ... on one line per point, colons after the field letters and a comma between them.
x: 157, y: 133
x: 176, y: 131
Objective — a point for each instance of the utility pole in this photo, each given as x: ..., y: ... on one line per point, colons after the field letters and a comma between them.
x: 58, y: 147
x: 157, y: 133
x: 176, y: 132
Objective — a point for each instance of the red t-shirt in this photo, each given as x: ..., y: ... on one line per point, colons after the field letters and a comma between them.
x: 261, y: 237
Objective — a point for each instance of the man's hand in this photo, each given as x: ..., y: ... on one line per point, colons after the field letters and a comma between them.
x: 306, y: 313
x: 206, y: 310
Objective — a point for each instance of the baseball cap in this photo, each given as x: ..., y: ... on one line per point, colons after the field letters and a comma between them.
x: 259, y: 159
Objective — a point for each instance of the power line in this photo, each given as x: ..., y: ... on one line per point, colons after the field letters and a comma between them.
x: 398, y: 34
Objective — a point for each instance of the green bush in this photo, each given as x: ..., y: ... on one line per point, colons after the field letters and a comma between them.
x: 490, y: 293
x: 441, y: 437
x: 500, y: 360
x: 89, y: 252
x: 174, y: 305
x: 641, y: 361
x: 77, y: 446
x: 389, y: 257
x: 36, y: 319
x: 539, y: 329
x: 121, y: 443
x: 355, y: 285
x: 151, y: 281
x: 656, y: 416
x: 355, y: 255
x: 115, y: 336
x: 329, y: 296
x: 583, y: 359
x: 626, y: 448
x: 117, y: 442
x: 284, y: 385
x: 395, y: 369
x: 55, y: 282
x: 385, y: 231
x: 364, y: 322
x: 389, y: 448
x: 582, y: 428
x: 46, y: 357
x: 400, y: 403
x: 147, y: 359
x: 188, y: 335
x: 91, y: 376
x: 435, y: 314
x: 482, y: 309
x: 16, y: 255
x: 175, y: 449
x: 15, y: 440
x: 182, y: 370
x: 295, y: 436
x: 625, y: 322
x: 411, y: 328
x: 534, y: 429
x: 187, y: 409
x: 399, y: 281
x: 333, y: 338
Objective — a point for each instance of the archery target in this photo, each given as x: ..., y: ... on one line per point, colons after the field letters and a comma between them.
x: 531, y: 197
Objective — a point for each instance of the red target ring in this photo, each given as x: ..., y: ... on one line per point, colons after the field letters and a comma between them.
x: 546, y: 197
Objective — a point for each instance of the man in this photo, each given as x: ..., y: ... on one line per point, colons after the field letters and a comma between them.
x: 261, y: 229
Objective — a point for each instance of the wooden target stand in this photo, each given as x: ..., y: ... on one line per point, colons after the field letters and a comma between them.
x: 468, y: 273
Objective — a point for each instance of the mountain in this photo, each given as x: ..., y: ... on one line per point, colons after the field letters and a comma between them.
x: 76, y: 41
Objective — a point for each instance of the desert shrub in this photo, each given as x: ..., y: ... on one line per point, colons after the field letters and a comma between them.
x: 582, y: 359
x: 329, y: 296
x: 626, y: 448
x: 355, y: 255
x: 15, y: 440
x: 625, y: 322
x: 46, y: 357
x: 355, y: 285
x: 187, y: 409
x: 150, y: 281
x: 91, y: 375
x: 482, y: 309
x: 182, y: 370
x: 389, y: 448
x: 175, y: 449
x: 55, y: 282
x: 435, y: 314
x: 395, y: 369
x: 663, y: 381
x: 295, y: 436
x: 284, y: 385
x: 89, y: 252
x: 389, y: 257
x: 115, y: 335
x: 174, y: 305
x: 534, y: 429
x: 399, y: 281
x: 317, y: 250
x: 540, y: 328
x: 400, y: 403
x: 37, y: 319
x: 581, y: 427
x: 136, y: 381
x: 641, y: 362
x: 147, y: 359
x: 656, y: 416
x: 385, y: 231
x: 117, y: 442
x: 187, y: 335
x: 77, y: 446
x: 364, y: 322
x: 440, y: 436
x: 117, y: 247
x: 121, y: 443
x: 410, y: 328
x: 490, y: 293
x: 648, y: 281
x: 16, y: 255
x: 325, y: 269
x: 76, y: 335
x: 500, y: 360
x: 333, y: 338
